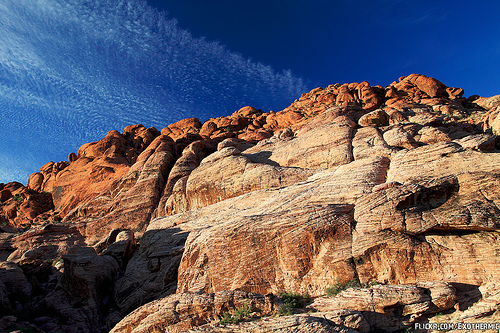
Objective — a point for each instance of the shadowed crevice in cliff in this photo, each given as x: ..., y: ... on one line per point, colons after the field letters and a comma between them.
x: 467, y: 294
x: 430, y: 195
x: 436, y: 231
x: 152, y: 271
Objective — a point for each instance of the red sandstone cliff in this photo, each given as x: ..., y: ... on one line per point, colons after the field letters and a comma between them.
x: 397, y: 186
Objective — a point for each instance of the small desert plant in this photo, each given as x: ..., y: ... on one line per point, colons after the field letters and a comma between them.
x: 284, y: 310
x: 291, y: 301
x: 57, y: 261
x: 227, y: 319
x: 438, y: 317
x: 240, y: 314
x: 338, y: 286
x: 294, y: 299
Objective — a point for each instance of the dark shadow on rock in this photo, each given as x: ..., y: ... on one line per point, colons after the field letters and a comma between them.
x: 262, y: 157
x: 151, y: 273
x: 467, y: 294
x: 431, y: 195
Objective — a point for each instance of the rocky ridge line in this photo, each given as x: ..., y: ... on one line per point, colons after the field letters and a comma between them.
x: 395, y: 185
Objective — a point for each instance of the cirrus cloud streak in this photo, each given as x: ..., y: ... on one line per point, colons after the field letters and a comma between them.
x: 71, y: 70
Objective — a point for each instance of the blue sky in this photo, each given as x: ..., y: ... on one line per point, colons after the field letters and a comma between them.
x: 71, y: 70
x: 326, y: 42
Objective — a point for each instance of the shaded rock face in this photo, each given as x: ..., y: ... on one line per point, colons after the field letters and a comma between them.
x: 15, y: 285
x: 81, y: 300
x: 152, y: 270
x: 394, y: 185
x: 54, y: 279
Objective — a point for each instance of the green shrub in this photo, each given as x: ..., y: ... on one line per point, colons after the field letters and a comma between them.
x: 227, y: 319
x: 295, y: 300
x: 284, y: 310
x: 240, y: 314
x: 291, y: 301
x: 339, y: 286
x: 244, y: 311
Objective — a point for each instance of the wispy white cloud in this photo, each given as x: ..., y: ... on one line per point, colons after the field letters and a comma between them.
x: 70, y: 70
x: 404, y: 14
